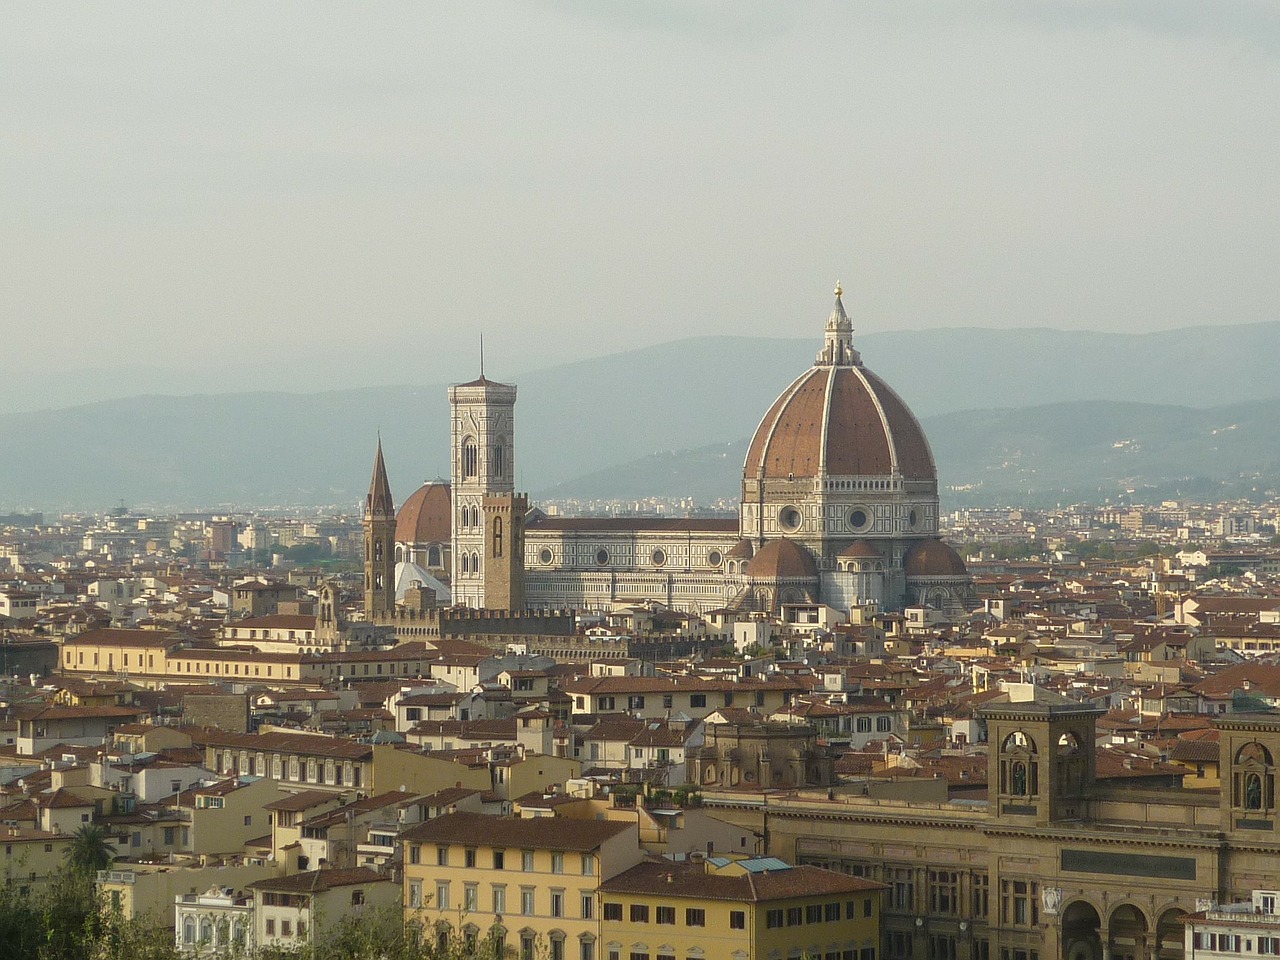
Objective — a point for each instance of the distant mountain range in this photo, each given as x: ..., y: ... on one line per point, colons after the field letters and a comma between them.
x: 1012, y: 416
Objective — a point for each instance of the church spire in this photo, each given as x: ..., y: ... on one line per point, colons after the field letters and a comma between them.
x: 378, y: 503
x: 837, y: 349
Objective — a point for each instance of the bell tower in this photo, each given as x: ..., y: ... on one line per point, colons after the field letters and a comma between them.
x: 379, y: 545
x: 1042, y: 760
x: 482, y: 428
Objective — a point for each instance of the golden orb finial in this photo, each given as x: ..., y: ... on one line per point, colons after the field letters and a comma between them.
x: 839, y: 289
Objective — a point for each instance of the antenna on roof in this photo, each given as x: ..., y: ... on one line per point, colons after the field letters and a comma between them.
x: 482, y: 356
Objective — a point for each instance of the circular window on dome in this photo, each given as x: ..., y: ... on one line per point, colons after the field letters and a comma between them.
x: 789, y: 518
x: 659, y: 557
x: 602, y: 556
x: 858, y: 518
x: 715, y: 558
x: 545, y: 555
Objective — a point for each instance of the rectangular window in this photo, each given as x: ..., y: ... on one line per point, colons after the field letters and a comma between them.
x: 557, y: 863
x: 613, y: 911
x: 499, y: 899
x: 557, y: 903
x: 442, y: 896
x: 526, y: 901
x: 981, y: 896
x: 795, y: 916
x: 470, y: 897
x: 499, y: 859
x: 695, y: 917
x: 442, y: 856
x: 639, y: 913
x: 830, y: 912
x: 271, y: 927
x: 697, y: 699
x: 588, y: 906
x: 286, y: 928
x: 588, y: 865
x: 942, y: 947
x: 587, y: 950
x: 813, y: 913
x: 526, y: 861
x: 944, y: 892
x: 773, y: 919
x: 469, y: 857
x: 1020, y: 902
x: 415, y: 853
x: 902, y: 888
x: 737, y: 920
x: 667, y: 700
x: 666, y: 915
x: 415, y: 894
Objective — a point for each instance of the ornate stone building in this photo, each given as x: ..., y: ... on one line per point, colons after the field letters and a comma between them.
x: 1057, y: 863
x: 839, y: 506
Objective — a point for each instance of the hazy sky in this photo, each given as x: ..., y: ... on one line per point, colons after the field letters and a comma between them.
x: 228, y: 190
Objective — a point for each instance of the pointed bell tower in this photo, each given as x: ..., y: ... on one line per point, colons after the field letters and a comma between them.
x: 379, y: 545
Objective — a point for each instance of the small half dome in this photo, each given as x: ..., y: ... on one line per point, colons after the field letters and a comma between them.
x: 860, y: 550
x: 744, y: 549
x: 934, y: 558
x: 782, y: 560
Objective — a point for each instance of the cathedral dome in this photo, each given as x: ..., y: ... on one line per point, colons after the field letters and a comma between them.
x: 782, y: 560
x: 838, y: 419
x: 426, y: 516
x: 744, y: 549
x: 933, y: 558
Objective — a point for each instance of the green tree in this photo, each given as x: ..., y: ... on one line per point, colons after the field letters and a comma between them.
x: 90, y: 850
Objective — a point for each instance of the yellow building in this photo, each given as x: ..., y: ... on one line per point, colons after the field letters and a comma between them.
x: 32, y: 857
x: 749, y: 909
x: 530, y: 883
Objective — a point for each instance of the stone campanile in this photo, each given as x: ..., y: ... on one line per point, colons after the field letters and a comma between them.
x: 488, y: 515
x: 379, y: 544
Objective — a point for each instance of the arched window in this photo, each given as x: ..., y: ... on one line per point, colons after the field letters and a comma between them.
x: 469, y: 457
x: 188, y: 930
x: 497, y: 535
x: 499, y: 461
x: 1253, y: 778
x: 475, y: 563
x: 433, y: 557
x: 206, y: 930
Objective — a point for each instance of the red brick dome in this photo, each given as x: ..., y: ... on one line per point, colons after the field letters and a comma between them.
x: 782, y: 560
x: 744, y: 549
x: 426, y: 516
x: 839, y: 421
x: 933, y: 558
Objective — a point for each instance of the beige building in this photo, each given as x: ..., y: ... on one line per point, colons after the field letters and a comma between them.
x: 292, y: 911
x: 1055, y: 863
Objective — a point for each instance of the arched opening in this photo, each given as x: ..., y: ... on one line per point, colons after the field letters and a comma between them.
x: 1253, y: 778
x: 1127, y: 933
x: 433, y: 556
x: 469, y: 457
x: 1169, y: 934
x: 1081, y: 937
